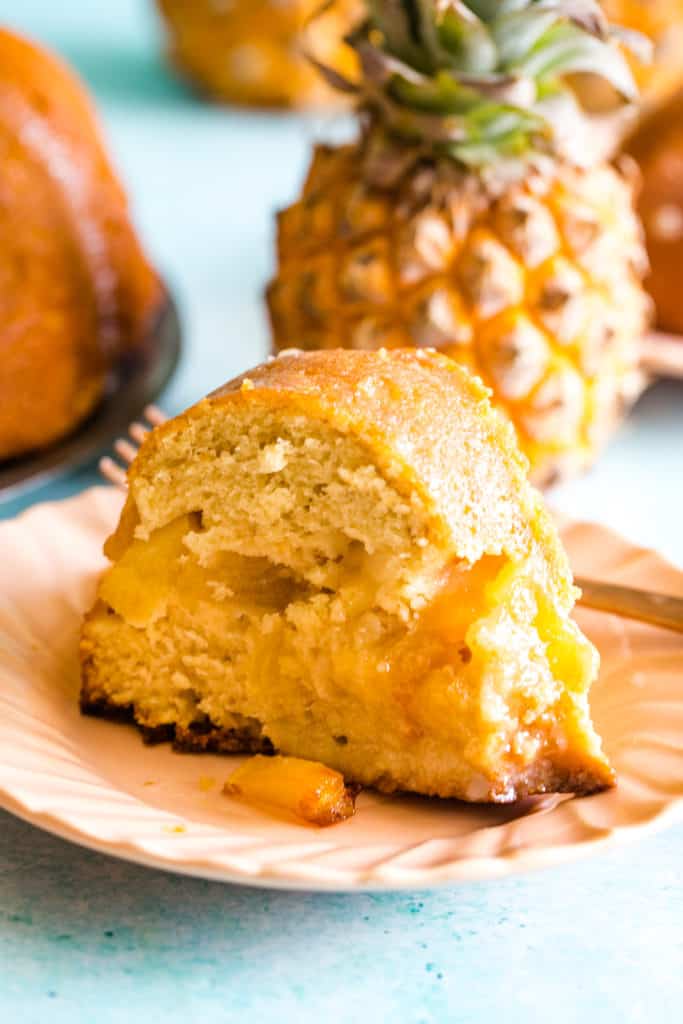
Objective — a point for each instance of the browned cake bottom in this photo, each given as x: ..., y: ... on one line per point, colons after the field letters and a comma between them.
x: 206, y: 738
x: 200, y: 738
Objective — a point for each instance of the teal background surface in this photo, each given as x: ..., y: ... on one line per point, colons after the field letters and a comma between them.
x: 86, y: 938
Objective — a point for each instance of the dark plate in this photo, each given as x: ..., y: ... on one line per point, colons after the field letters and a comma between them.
x: 134, y: 383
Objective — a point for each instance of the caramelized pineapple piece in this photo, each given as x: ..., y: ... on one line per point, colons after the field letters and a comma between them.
x: 306, y: 789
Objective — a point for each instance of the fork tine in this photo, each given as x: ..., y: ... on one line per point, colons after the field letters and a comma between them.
x: 126, y: 450
x: 137, y: 432
x: 114, y: 473
x: 154, y: 415
x: 109, y: 468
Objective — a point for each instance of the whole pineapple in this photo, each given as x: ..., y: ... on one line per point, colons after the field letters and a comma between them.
x: 478, y: 214
x: 253, y: 51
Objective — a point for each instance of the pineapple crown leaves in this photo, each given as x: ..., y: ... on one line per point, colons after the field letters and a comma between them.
x: 485, y: 80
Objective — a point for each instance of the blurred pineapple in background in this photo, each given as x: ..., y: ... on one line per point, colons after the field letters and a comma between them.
x: 253, y: 51
x: 661, y: 21
x: 657, y: 147
x: 478, y: 213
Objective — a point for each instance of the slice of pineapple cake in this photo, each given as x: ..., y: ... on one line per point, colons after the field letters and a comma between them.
x: 338, y: 557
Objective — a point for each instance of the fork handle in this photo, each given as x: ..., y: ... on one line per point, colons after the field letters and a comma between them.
x: 644, y: 605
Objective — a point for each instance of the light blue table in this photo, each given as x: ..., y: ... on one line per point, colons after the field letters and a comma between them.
x: 86, y: 938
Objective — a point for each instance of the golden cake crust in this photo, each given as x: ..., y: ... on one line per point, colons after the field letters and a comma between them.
x: 394, y: 401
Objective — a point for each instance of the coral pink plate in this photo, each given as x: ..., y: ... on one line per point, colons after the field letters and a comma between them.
x: 96, y: 784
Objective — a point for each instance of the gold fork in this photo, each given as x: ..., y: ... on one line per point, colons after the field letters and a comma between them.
x: 663, y: 610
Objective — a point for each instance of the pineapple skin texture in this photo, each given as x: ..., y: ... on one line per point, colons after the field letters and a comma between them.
x: 251, y: 51
x: 535, y: 287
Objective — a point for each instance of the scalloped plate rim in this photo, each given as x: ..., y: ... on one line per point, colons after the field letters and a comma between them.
x: 526, y: 862
x: 292, y: 873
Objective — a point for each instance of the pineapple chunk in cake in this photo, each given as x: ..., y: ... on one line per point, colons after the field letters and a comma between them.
x: 339, y: 558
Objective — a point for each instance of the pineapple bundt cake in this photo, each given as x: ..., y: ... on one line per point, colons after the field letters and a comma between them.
x: 76, y: 289
x: 338, y: 557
